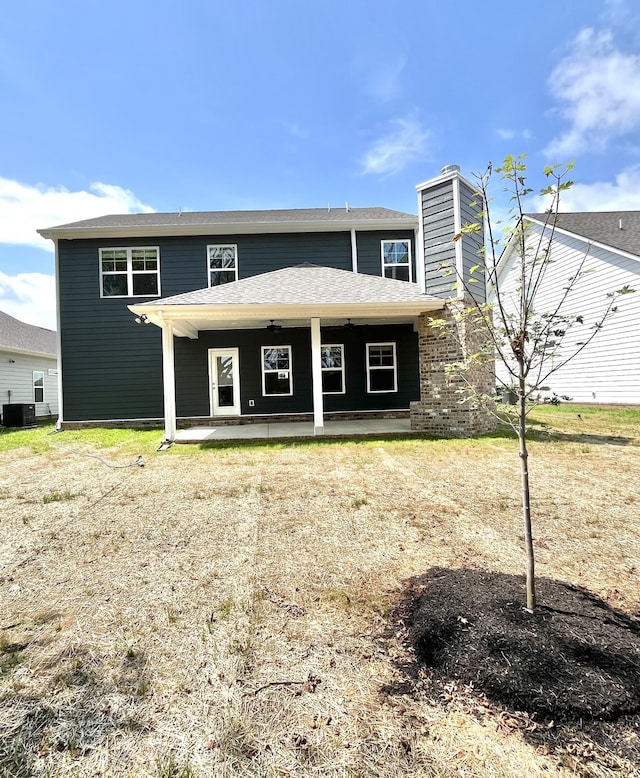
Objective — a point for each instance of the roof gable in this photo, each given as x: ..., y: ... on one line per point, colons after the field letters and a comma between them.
x: 16, y: 335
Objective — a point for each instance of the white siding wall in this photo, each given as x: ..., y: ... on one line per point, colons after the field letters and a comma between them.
x: 17, y: 377
x: 608, y: 369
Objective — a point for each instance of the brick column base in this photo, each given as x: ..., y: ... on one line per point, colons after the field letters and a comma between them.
x: 441, y: 410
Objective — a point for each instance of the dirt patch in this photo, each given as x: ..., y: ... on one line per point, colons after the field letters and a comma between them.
x: 575, y: 662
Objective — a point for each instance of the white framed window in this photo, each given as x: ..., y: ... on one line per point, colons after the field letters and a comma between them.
x: 130, y: 272
x: 382, y: 370
x: 396, y: 259
x: 38, y: 386
x: 222, y: 264
x: 277, y: 374
x: 332, y: 362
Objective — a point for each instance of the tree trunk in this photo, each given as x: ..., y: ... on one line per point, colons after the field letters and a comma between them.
x: 526, y: 499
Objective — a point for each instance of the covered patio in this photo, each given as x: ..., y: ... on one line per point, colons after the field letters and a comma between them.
x: 293, y: 430
x: 305, y: 296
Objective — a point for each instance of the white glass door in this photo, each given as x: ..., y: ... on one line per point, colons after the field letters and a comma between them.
x: 224, y: 382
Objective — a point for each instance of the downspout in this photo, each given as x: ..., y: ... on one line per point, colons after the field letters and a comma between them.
x: 58, y: 338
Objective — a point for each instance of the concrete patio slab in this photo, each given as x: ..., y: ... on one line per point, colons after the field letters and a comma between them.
x: 283, y: 430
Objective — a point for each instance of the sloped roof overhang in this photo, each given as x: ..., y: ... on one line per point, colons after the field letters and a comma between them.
x: 233, y: 223
x: 292, y: 296
x: 195, y: 318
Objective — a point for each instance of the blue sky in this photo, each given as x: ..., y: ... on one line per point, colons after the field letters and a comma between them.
x: 210, y: 105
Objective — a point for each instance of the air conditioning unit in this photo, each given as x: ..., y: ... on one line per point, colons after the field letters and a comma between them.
x: 19, y: 415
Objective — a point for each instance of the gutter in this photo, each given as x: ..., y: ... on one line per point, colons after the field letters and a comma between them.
x: 252, y: 228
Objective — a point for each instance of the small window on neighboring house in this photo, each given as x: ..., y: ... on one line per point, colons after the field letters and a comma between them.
x: 332, y: 360
x: 381, y: 368
x: 130, y: 272
x: 276, y: 370
x: 38, y: 386
x: 222, y: 264
x: 396, y: 259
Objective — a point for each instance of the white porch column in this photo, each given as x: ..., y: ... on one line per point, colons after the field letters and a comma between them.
x: 168, y: 381
x: 316, y: 373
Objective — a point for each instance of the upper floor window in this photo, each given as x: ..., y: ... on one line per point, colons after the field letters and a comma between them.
x: 223, y: 264
x: 38, y: 386
x: 332, y: 362
x: 382, y: 373
x: 396, y: 259
x: 130, y: 272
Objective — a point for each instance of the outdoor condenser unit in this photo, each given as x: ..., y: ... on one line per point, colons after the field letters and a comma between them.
x: 19, y: 415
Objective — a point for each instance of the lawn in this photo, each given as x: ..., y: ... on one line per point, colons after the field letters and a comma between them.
x: 231, y: 610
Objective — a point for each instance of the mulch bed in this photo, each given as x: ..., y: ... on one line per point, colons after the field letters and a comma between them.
x: 574, y: 664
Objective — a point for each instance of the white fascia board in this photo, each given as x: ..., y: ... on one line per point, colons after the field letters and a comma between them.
x: 583, y: 238
x: 165, y: 313
x: 27, y: 353
x: 254, y: 228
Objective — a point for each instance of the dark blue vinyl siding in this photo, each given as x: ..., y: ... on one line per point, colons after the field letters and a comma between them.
x: 112, y: 368
x: 192, y: 366
x: 370, y: 250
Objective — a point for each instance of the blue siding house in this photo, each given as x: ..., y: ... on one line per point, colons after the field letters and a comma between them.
x: 241, y: 316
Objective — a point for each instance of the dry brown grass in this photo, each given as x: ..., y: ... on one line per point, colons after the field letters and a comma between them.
x: 221, y: 612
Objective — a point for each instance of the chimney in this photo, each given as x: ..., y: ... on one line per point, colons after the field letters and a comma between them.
x: 445, y: 204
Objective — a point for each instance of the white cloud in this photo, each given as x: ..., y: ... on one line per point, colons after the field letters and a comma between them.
x: 379, y: 77
x: 598, y: 89
x: 30, y: 297
x: 384, y: 79
x: 25, y: 208
x: 507, y: 134
x: 621, y: 195
x: 388, y: 155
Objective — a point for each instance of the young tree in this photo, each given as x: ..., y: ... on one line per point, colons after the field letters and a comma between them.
x: 528, y: 344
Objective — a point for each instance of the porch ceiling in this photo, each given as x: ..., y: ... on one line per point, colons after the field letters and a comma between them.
x: 188, y: 321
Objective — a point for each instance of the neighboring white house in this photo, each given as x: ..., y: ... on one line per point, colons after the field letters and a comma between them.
x: 608, y: 369
x: 28, y: 366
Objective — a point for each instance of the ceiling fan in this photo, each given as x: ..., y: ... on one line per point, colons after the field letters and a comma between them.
x: 274, y: 327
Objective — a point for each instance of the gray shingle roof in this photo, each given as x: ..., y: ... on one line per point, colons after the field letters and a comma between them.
x: 208, y: 219
x: 303, y: 285
x: 17, y: 335
x: 602, y: 227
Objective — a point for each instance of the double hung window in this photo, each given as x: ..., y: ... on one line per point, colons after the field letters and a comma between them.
x: 38, y: 386
x: 396, y: 259
x: 130, y: 272
x: 222, y: 264
x: 382, y: 373
x: 276, y: 371
x: 332, y: 361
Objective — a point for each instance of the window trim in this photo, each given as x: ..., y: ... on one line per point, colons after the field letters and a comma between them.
x: 385, y: 265
x: 264, y: 372
x: 334, y: 369
x: 129, y: 272
x: 370, y: 367
x: 210, y: 246
x: 34, y: 387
